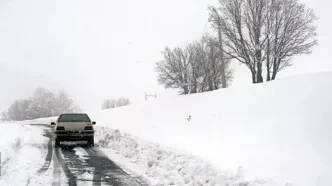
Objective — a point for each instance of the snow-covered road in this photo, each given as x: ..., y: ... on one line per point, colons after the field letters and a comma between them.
x: 32, y: 160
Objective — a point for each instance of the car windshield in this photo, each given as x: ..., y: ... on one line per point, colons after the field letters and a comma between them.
x: 74, y: 118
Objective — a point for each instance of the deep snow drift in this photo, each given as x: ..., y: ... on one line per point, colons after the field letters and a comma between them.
x: 280, y: 130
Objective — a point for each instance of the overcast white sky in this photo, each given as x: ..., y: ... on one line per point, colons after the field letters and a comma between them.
x: 96, y: 49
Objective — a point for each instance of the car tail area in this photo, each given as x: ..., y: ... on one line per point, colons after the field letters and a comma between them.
x: 74, y: 126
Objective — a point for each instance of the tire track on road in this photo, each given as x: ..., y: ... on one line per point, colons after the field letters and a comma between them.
x: 48, y: 157
x: 96, y: 173
x: 49, y: 154
x: 72, y: 179
x: 107, y: 171
x: 56, y: 171
x: 138, y: 179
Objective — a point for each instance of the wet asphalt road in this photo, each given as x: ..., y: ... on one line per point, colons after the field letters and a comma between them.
x: 83, y: 166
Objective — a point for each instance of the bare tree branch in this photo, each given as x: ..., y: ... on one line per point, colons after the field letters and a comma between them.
x: 269, y: 32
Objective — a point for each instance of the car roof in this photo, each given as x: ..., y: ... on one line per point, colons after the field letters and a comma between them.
x: 73, y: 114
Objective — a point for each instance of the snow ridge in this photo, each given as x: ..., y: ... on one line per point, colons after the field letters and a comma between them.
x: 166, y: 166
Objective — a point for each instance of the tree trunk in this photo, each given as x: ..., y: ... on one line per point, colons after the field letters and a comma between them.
x: 268, y: 69
x: 224, y: 83
x: 275, y: 68
x: 210, y: 85
x: 274, y: 75
x: 194, y: 84
x: 259, y: 73
x: 215, y: 84
x: 185, y: 89
x: 258, y: 55
x: 194, y: 88
x: 268, y: 72
x: 253, y: 75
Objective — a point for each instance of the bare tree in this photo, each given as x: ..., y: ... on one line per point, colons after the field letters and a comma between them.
x: 122, y: 102
x: 173, y: 70
x: 108, y: 103
x: 112, y: 103
x: 196, y: 61
x: 225, y: 61
x: 43, y: 103
x: 64, y: 104
x: 264, y: 31
x: 18, y: 110
x: 217, y: 68
x: 198, y: 67
x: 293, y: 33
x: 4, y: 116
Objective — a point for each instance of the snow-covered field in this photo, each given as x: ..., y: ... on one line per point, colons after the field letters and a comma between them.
x: 271, y: 134
x: 279, y: 131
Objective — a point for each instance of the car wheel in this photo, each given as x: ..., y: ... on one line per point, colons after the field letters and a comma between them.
x: 91, y: 142
x: 57, y: 143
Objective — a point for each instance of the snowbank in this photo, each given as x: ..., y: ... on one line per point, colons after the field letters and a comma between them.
x: 11, y: 140
x: 164, y: 166
x: 279, y: 130
x: 21, y: 153
x: 41, y: 121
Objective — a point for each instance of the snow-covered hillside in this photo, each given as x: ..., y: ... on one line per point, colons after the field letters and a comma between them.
x: 280, y: 130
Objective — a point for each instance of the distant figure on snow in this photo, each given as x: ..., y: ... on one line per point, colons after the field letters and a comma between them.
x: 189, y: 118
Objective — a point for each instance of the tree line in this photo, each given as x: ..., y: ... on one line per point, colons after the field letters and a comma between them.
x: 264, y: 35
x: 43, y: 103
x: 113, y: 103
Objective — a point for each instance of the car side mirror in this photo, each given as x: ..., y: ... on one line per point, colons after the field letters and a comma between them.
x: 93, y: 123
x: 52, y: 123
